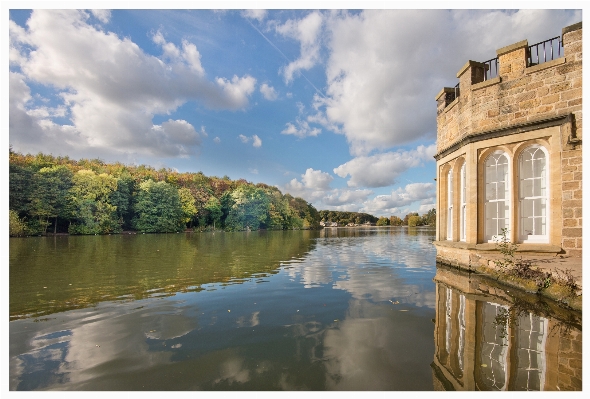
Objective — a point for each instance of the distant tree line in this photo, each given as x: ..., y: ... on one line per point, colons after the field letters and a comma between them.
x: 411, y: 219
x: 344, y: 218
x: 58, y: 194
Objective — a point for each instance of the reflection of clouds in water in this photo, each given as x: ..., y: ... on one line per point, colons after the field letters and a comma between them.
x: 252, y: 321
x: 367, y: 267
x: 169, y: 326
x: 233, y: 370
x: 95, y: 338
x: 414, y: 253
x: 381, y: 285
x: 371, y: 351
x: 313, y: 269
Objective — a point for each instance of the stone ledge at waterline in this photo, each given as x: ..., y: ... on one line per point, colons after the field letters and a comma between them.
x: 483, y: 264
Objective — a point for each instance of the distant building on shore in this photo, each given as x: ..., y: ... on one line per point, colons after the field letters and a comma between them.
x: 509, y: 153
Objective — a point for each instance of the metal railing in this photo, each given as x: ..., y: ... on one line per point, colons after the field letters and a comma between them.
x: 544, y: 51
x: 490, y: 69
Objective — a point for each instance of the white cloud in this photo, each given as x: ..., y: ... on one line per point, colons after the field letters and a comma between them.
x: 109, y: 87
x: 402, y: 197
x: 300, y: 129
x: 102, y: 15
x: 238, y: 89
x: 316, y: 179
x: 346, y: 197
x: 307, y: 32
x: 381, y: 170
x: 217, y: 140
x: 253, y: 171
x: 255, y: 14
x: 384, y: 67
x: 268, y: 92
x: 313, y: 186
x: 175, y: 137
x: 243, y: 138
x: 256, y: 141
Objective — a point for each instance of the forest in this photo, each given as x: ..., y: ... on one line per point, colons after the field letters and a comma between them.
x: 49, y: 194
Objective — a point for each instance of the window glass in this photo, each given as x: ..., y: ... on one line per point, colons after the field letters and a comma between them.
x: 533, y: 195
x: 497, y: 194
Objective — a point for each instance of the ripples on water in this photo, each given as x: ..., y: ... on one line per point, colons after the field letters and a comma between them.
x: 339, y: 309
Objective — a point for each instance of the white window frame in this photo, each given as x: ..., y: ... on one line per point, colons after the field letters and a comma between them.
x: 531, y: 238
x: 506, y: 200
x: 463, y: 211
x: 450, y: 205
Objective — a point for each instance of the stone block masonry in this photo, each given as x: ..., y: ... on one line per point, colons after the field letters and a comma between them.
x: 530, y: 105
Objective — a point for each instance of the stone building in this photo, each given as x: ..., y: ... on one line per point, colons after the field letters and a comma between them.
x: 509, y: 153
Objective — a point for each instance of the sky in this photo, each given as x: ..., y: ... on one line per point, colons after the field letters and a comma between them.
x: 335, y: 106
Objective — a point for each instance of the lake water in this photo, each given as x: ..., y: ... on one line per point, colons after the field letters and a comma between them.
x: 336, y: 309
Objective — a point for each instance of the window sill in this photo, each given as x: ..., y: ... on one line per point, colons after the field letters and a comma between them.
x: 522, y: 248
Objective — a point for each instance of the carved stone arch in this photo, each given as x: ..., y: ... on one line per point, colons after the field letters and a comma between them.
x: 520, y: 147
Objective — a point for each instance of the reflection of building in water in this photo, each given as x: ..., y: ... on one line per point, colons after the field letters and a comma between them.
x: 484, y: 343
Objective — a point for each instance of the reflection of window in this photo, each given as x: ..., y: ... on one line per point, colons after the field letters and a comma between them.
x: 533, y: 194
x: 463, y: 203
x: 461, y: 330
x: 532, y: 335
x: 448, y: 320
x: 497, y: 195
x: 494, y: 348
x: 450, y: 205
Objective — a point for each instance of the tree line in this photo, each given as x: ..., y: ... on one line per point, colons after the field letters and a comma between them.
x: 59, y: 195
x: 344, y: 218
x: 412, y: 219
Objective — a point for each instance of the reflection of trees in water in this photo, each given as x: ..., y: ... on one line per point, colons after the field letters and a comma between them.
x: 54, y: 274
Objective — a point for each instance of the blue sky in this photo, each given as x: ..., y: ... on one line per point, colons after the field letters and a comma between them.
x: 334, y: 106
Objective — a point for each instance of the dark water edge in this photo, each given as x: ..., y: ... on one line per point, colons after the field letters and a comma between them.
x: 338, y: 309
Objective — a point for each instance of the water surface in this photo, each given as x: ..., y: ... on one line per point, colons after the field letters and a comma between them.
x: 340, y: 309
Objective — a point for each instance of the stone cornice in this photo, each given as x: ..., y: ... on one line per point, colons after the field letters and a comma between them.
x: 512, y: 47
x: 571, y: 28
x: 507, y: 131
x: 486, y: 83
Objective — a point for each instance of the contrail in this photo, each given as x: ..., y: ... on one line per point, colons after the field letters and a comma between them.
x: 285, y: 57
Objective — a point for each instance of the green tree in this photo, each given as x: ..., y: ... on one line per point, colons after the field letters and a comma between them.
x: 395, y: 221
x: 20, y: 188
x: 429, y: 218
x: 158, y: 208
x: 414, y: 221
x: 49, y: 196
x: 408, y: 216
x: 187, y: 203
x: 122, y: 199
x: 383, y: 221
x: 213, y: 207
x: 90, y: 204
x: 250, y: 209
x: 16, y: 226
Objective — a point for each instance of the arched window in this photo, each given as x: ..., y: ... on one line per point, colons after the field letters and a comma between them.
x: 463, y: 211
x: 533, y: 195
x: 450, y: 205
x: 497, y: 195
